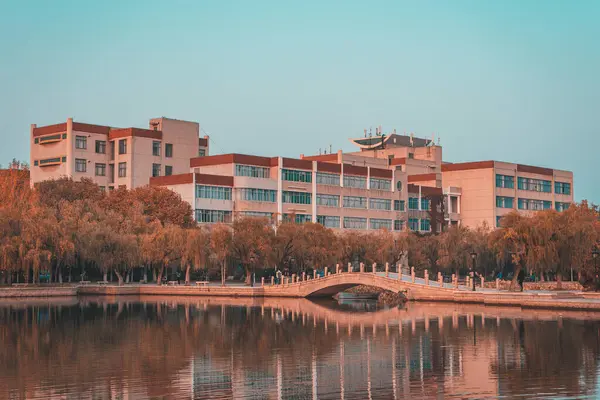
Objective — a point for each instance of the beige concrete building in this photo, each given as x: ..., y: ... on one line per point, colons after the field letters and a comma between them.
x: 114, y: 157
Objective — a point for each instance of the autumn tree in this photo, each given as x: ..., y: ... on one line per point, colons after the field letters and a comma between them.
x: 220, y: 247
x: 251, y: 244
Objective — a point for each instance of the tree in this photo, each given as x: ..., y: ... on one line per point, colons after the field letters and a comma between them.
x: 319, y: 245
x: 196, y: 248
x: 455, y: 248
x: 251, y: 244
x: 220, y: 247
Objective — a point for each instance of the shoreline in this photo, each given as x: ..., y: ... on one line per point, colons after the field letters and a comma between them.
x: 560, y: 300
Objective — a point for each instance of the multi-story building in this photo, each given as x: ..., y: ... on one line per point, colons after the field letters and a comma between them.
x: 114, y: 157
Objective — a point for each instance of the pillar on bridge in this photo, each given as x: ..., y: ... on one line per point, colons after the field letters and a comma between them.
x: 467, y: 279
x: 303, y: 276
x: 412, y: 274
x: 294, y: 278
x: 272, y: 280
x: 387, y: 270
x: 482, y: 281
x: 315, y: 274
x: 325, y: 275
x: 337, y: 268
x: 262, y: 281
x: 426, y: 278
x: 362, y: 267
x: 440, y: 279
x: 399, y: 271
x: 374, y: 268
x: 497, y: 284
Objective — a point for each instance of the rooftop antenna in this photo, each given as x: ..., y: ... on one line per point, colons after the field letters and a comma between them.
x: 319, y: 151
x: 330, y: 149
x: 412, y: 140
x: 433, y: 139
x: 371, y: 132
x: 394, y: 131
x: 438, y: 141
x: 365, y: 132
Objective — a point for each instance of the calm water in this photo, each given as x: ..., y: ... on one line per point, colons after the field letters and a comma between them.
x: 187, y: 348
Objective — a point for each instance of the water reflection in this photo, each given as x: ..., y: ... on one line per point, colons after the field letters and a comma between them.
x: 190, y: 348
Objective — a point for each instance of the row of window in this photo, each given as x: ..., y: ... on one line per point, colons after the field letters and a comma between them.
x: 560, y: 206
x: 505, y: 181
x: 50, y: 138
x: 413, y: 203
x: 156, y: 168
x: 505, y: 202
x: 252, y: 171
x: 100, y: 168
x: 529, y: 204
x: 262, y: 195
x: 359, y: 182
x: 296, y: 197
x: 81, y: 144
x: 156, y: 147
x: 294, y: 175
x: 213, y: 192
x: 536, y: 185
x: 562, y: 188
x: 328, y: 179
x: 380, y: 184
x: 46, y: 161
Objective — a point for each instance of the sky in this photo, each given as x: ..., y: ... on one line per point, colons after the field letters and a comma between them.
x: 515, y: 81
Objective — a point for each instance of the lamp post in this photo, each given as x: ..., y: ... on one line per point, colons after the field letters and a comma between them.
x: 473, y: 258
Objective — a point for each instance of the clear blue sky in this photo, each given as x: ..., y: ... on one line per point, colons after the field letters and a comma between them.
x: 506, y: 80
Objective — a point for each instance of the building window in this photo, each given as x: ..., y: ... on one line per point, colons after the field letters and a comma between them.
x: 328, y: 179
x: 64, y: 159
x: 359, y: 182
x: 505, y: 181
x: 355, y: 202
x: 355, y: 223
x: 561, y: 206
x: 80, y: 165
x: 535, y: 185
x: 260, y: 195
x: 328, y: 221
x: 328, y: 200
x: 123, y: 146
x: 380, y: 204
x: 413, y: 224
x: 122, y: 169
x: 399, y: 186
x: 156, y: 148
x: 252, y: 171
x: 425, y: 225
x: 398, y: 225
x: 81, y: 142
x: 201, y: 152
x: 562, y: 188
x: 296, y: 176
x: 296, y: 197
x: 505, y: 202
x: 213, y: 192
x: 498, y: 221
x: 213, y: 216
x: 398, y: 205
x: 36, y: 140
x: 100, y: 146
x: 413, y: 203
x: 380, y: 184
x: 168, y: 150
x: 425, y: 204
x: 155, y: 170
x: 377, y: 223
x: 35, y: 163
x: 51, y: 138
x: 535, y: 205
x: 64, y: 135
x: 168, y: 170
x: 298, y: 218
x: 102, y: 189
x: 257, y: 214
x: 100, y: 169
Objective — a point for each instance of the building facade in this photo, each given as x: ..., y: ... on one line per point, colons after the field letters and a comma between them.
x: 114, y: 157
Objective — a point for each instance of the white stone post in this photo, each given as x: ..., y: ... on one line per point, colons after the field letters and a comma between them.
x: 482, y: 281
x: 314, y: 274
x: 303, y: 276
x: 440, y: 279
x: 387, y: 270
x: 272, y: 280
x: 337, y: 268
x: 362, y: 267
x: 294, y: 278
x: 399, y: 271
x: 374, y: 268
x: 349, y: 267
x: 262, y: 281
x: 412, y: 274
x: 426, y: 278
x: 497, y: 284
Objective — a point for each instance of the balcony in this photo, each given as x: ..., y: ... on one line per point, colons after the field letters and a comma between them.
x: 50, y: 139
x: 51, y: 161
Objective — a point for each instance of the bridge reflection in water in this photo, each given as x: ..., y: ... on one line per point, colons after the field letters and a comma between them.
x: 186, y: 347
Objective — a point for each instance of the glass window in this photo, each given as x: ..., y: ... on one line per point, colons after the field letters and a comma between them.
x: 35, y: 163
x: 213, y: 216
x: 296, y: 176
x: 168, y: 150
x: 298, y: 218
x: 213, y: 192
x: 355, y: 202
x: 498, y: 221
x: 252, y: 171
x: 425, y: 204
x: 100, y: 146
x: 122, y: 169
x: 355, y: 223
x: 504, y: 202
x: 377, y: 223
x: 353, y: 181
x: 123, y: 146
x: 380, y: 184
x: 328, y: 200
x: 398, y: 225
x: 398, y: 205
x: 168, y: 170
x: 505, y: 181
x: 380, y: 204
x: 535, y: 185
x: 201, y: 152
x: 155, y: 148
x: 155, y: 170
x: 328, y: 221
x: 413, y: 224
x: 257, y: 214
x: 80, y: 165
x: 102, y: 188
x: 399, y: 186
x: 36, y: 140
x: 413, y: 203
x: 81, y: 142
x: 562, y: 206
x: 535, y: 205
x: 261, y: 195
x: 425, y: 225
x: 296, y: 197
x: 562, y: 188
x: 100, y: 169
x: 328, y: 179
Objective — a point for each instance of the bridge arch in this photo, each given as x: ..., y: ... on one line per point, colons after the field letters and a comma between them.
x: 336, y: 283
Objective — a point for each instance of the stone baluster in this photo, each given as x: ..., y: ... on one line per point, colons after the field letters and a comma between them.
x: 303, y: 276
x: 497, y: 284
x: 440, y: 279
x: 326, y: 274
x: 399, y: 271
x: 272, y: 280
x: 387, y: 270
x: 412, y: 274
x: 482, y: 281
x: 337, y: 268
x: 426, y: 278
x: 294, y: 278
x: 314, y: 274
x: 262, y: 281
x: 349, y: 267
x: 374, y: 269
x: 362, y: 267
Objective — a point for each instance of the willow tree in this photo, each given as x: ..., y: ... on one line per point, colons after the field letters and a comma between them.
x: 220, y: 247
x: 251, y: 243
x: 196, y: 250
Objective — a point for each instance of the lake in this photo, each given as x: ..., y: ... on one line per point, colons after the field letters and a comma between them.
x: 210, y: 348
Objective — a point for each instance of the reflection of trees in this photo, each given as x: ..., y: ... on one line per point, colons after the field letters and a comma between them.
x: 105, y: 347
